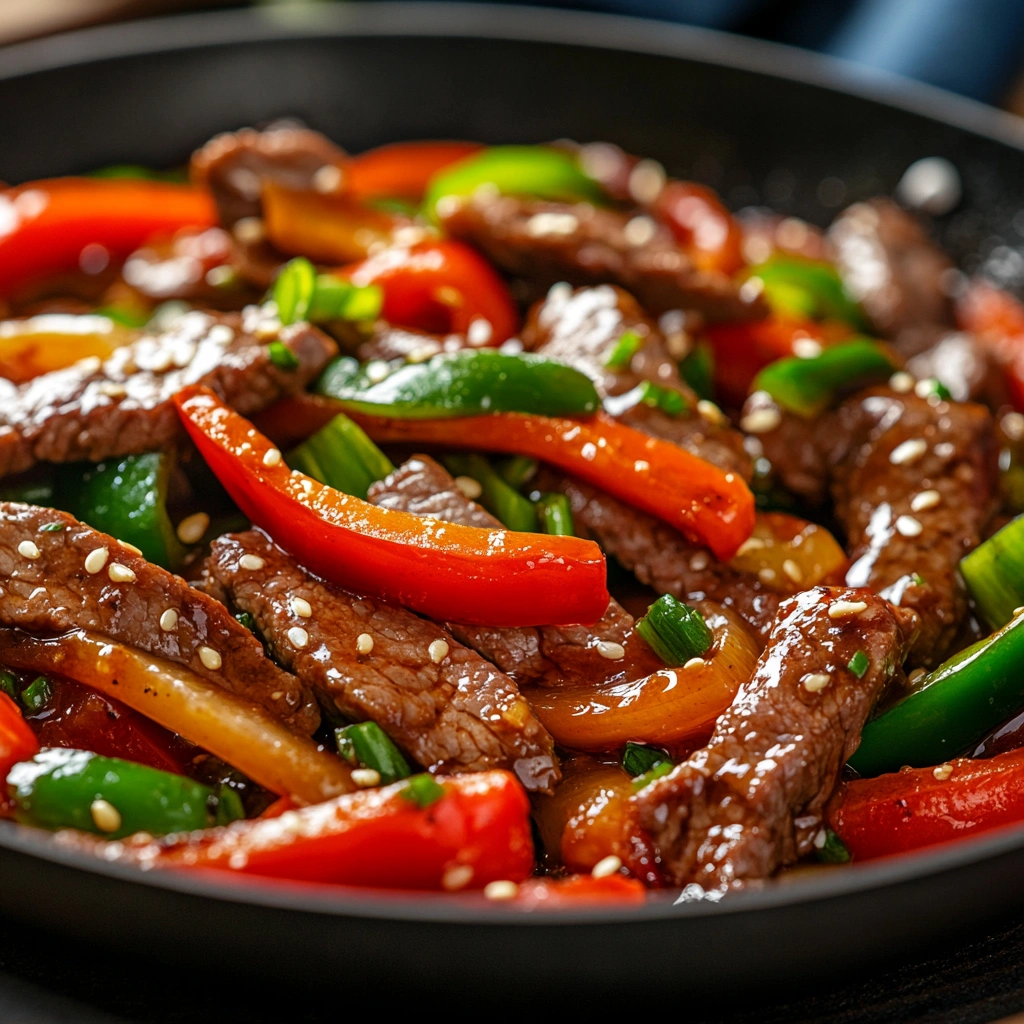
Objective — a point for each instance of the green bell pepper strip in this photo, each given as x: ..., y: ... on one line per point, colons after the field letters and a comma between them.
x: 556, y: 515
x: 807, y: 289
x: 994, y: 574
x: 465, y: 383
x: 32, y: 492
x: 56, y: 789
x: 538, y: 171
x: 808, y: 386
x: 674, y: 631
x: 950, y: 709
x: 126, y: 498
x: 343, y: 457
x: 229, y: 806
x: 508, y: 505
x: 300, y: 293
x: 369, y: 746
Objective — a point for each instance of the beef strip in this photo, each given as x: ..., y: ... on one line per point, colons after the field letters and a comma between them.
x: 969, y: 371
x: 55, y: 591
x: 536, y: 656
x: 547, y: 242
x: 752, y: 800
x: 581, y: 328
x: 388, y: 343
x: 458, y: 713
x: 95, y: 410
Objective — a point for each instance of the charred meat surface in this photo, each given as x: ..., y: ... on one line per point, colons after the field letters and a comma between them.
x: 123, y: 406
x: 59, y: 574
x: 443, y: 704
x: 752, y: 800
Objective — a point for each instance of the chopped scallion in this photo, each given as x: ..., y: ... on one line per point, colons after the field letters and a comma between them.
x: 698, y: 370
x: 423, y: 790
x: 622, y: 353
x: 51, y: 528
x: 37, y: 694
x: 859, y: 664
x: 556, y: 515
x: 834, y: 851
x: 366, y: 745
x: 675, y: 631
x: 343, y: 457
x: 282, y: 356
x: 229, y: 806
x: 7, y: 682
x: 300, y: 293
x: 517, y: 470
x: 665, y: 399
x: 293, y: 290
x: 247, y: 620
x: 649, y: 776
x: 515, y: 511
x: 638, y: 758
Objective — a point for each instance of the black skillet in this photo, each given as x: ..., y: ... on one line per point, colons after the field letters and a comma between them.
x: 760, y: 123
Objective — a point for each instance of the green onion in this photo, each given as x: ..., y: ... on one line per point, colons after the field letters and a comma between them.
x: 859, y: 664
x: 247, y: 620
x: 638, y: 758
x: 556, y: 515
x: 932, y: 387
x: 918, y: 579
x: 300, y: 293
x: 368, y: 746
x: 698, y: 370
x: 7, y: 682
x: 508, y: 505
x: 37, y: 694
x: 282, y: 356
x: 675, y: 631
x: 229, y: 806
x: 994, y: 573
x: 649, y: 776
x: 665, y: 399
x: 423, y: 790
x: 625, y: 348
x: 800, y: 287
x: 343, y: 457
x: 834, y: 851
x: 51, y: 528
x: 293, y: 290
x: 517, y: 470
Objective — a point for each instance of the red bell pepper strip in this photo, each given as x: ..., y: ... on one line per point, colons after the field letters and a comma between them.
x: 17, y: 741
x: 996, y: 319
x: 442, y: 288
x: 45, y: 225
x: 447, y: 572
x: 707, y: 504
x: 702, y: 225
x: 579, y: 891
x: 919, y: 807
x: 403, y: 169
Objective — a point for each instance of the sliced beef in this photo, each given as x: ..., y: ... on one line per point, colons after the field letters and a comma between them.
x: 546, y: 242
x: 542, y: 656
x: 968, y: 370
x: 766, y: 232
x: 581, y: 328
x: 752, y: 800
x: 443, y: 704
x: 388, y: 343
x: 52, y: 580
x: 891, y: 267
x: 94, y: 410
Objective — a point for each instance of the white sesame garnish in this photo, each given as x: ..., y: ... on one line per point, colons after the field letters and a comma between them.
x: 192, y: 528
x: 766, y: 575
x: 541, y: 224
x: 844, y: 609
x: 377, y: 370
x: 914, y: 676
x: 760, y: 421
x: 95, y: 560
x: 909, y: 452
x: 249, y: 230
x: 610, y: 649
x: 793, y: 571
x: 901, y: 382
x: 469, y: 487
x: 606, y: 866
x: 711, y: 412
x: 700, y: 561
x: 328, y: 178
x: 210, y: 658
x: 272, y: 457
x: 806, y: 348
x: 298, y: 636
x: 501, y: 890
x: 924, y: 500
x: 364, y: 643
x: 695, y: 663
x: 119, y: 573
x: 28, y: 549
x: 820, y: 838
x: 815, y: 681
x: 277, y: 695
x: 111, y: 389
x: 480, y: 332
x: 105, y: 815
x: 639, y: 230
x: 943, y: 771
x: 301, y: 607
x: 251, y: 562
x: 364, y: 777
x: 908, y: 526
x: 169, y: 620
x: 749, y: 545
x: 438, y: 651
x: 646, y: 180
x: 457, y: 877
x: 1013, y: 425
x: 130, y: 547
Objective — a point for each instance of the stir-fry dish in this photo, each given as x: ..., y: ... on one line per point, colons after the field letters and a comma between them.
x: 513, y: 519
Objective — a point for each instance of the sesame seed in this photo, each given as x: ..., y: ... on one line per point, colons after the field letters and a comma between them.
x: 272, y: 457
x: 301, y: 607
x: 901, y: 382
x: 105, y: 815
x: 169, y: 620
x: 639, y: 230
x: 766, y: 575
x: 210, y: 658
x: 918, y: 673
x: 711, y: 412
x: 111, y: 389
x: 457, y: 877
x: 192, y: 528
x: 501, y: 890
x: 700, y: 561
x: 119, y: 573
x: 610, y: 649
x: 793, y: 571
x: 438, y: 651
x: 925, y: 500
x: 130, y: 547
x: 421, y: 354
x: 328, y: 178
x: 377, y: 370
x: 249, y: 230
x: 909, y: 452
x: 252, y: 562
x: 364, y: 643
x: 298, y: 636
x: 541, y: 224
x: 480, y: 332
x: 908, y: 526
x: 820, y: 839
x: 1013, y: 425
x: 364, y: 777
x: 95, y: 560
x: 277, y: 695
x: 749, y: 545
x: 609, y: 865
x: 942, y: 771
x: 646, y: 180
x: 844, y: 609
x: 816, y: 681
x: 760, y: 421
x: 28, y: 549
x: 695, y: 663
x: 806, y: 348
x: 469, y: 487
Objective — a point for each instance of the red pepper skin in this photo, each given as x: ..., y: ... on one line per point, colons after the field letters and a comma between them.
x: 702, y: 225
x: 17, y: 741
x: 52, y: 221
x: 579, y: 891
x: 439, y: 287
x: 710, y: 506
x: 912, y: 809
x: 996, y: 318
x: 402, y: 170
x: 443, y: 571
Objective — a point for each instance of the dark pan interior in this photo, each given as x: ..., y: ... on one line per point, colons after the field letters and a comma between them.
x: 706, y: 107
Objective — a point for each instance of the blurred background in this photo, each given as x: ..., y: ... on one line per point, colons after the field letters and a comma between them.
x: 972, y: 47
